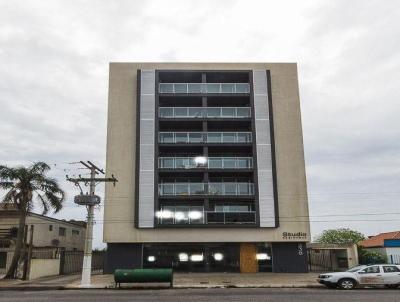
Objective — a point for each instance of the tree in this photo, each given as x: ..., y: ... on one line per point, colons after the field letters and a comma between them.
x: 370, y: 257
x: 23, y: 186
x: 340, y: 236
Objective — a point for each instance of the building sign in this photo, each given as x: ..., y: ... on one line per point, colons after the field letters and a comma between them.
x: 297, y: 235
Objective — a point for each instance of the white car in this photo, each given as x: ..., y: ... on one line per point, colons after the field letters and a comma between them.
x: 363, y: 275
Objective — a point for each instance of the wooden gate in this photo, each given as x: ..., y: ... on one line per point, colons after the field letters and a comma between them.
x: 248, y: 260
x: 320, y: 260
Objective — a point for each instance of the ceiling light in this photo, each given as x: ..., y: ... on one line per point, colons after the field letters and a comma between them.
x: 263, y: 256
x: 164, y: 214
x: 200, y: 160
x: 183, y: 257
x: 195, y: 214
x: 196, y: 258
x: 180, y: 216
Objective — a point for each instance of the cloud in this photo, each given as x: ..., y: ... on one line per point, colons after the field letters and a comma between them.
x: 54, y: 59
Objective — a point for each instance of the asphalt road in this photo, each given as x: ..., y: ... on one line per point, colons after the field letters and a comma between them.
x: 200, y: 295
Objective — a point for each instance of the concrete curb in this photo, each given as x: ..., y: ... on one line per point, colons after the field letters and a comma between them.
x: 59, y: 287
x: 30, y: 288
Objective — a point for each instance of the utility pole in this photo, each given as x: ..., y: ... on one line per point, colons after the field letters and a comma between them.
x: 87, y: 254
x: 89, y: 200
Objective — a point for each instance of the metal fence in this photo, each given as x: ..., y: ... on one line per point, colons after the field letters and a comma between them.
x: 49, y: 253
x: 71, y: 261
x: 394, y: 259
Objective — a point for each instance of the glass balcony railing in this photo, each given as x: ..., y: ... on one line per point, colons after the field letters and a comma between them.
x: 204, y: 137
x: 205, y: 163
x: 199, y: 112
x: 204, y: 88
x: 197, y: 215
x: 231, y: 217
x: 211, y: 188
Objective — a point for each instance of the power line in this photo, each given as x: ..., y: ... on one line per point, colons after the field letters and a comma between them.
x: 103, y: 221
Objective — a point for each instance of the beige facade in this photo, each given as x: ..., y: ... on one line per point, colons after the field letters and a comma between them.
x: 121, y: 147
x: 50, y: 232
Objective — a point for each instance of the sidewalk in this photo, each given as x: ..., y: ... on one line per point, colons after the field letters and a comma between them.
x: 45, y: 283
x: 181, y: 280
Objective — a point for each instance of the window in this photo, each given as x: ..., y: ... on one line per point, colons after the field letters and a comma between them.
x: 195, y: 88
x: 166, y: 88
x: 180, y: 88
x: 75, y: 232
x: 242, y: 88
x: 213, y: 112
x: 195, y: 112
x: 182, y: 188
x: 50, y: 228
x: 371, y: 270
x: 181, y: 163
x: 195, y: 137
x: 181, y: 112
x: 167, y: 189
x: 391, y: 269
x: 167, y: 162
x: 166, y: 112
x: 243, y: 163
x: 214, y: 137
x: 197, y: 188
x: 230, y: 188
x: 243, y: 137
x: 167, y: 137
x: 227, y: 88
x: 181, y: 137
x: 212, y: 88
x: 243, y: 112
x: 214, y: 163
x: 245, y: 189
x: 179, y: 214
x: 232, y: 208
x: 228, y: 137
x: 61, y: 231
x: 228, y: 112
x: 229, y: 163
x: 215, y: 188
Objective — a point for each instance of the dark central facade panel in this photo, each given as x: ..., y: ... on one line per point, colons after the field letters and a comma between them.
x: 205, y: 150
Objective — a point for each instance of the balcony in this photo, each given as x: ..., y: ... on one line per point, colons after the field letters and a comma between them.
x: 204, y: 88
x: 205, y: 163
x: 201, y: 112
x: 204, y: 137
x: 181, y: 215
x: 211, y: 188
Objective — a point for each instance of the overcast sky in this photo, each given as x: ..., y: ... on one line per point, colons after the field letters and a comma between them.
x: 54, y: 59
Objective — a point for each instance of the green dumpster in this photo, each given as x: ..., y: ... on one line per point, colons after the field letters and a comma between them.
x: 144, y: 275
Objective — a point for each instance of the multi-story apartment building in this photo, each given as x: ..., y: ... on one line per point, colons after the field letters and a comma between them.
x: 210, y: 163
x: 48, y: 234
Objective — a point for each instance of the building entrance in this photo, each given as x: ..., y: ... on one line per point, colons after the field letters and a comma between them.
x: 209, y: 257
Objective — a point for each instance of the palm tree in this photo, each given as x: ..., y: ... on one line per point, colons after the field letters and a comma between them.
x: 23, y: 185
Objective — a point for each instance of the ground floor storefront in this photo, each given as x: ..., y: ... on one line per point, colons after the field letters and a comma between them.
x: 244, y: 257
